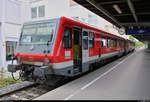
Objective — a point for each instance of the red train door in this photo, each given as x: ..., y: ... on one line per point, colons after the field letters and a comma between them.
x: 67, y: 43
x: 77, y: 50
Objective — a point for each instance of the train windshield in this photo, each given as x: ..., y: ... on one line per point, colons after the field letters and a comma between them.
x: 41, y: 33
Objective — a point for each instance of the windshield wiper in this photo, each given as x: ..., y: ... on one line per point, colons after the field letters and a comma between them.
x: 48, y: 42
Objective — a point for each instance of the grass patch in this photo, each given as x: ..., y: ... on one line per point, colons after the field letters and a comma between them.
x: 8, y: 81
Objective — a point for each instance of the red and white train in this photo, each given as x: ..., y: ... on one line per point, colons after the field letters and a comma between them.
x: 63, y: 47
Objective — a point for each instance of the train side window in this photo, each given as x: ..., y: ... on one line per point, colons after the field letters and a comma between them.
x: 103, y: 42
x: 120, y: 43
x: 117, y: 43
x: 108, y: 42
x: 123, y: 43
x: 85, y: 40
x: 112, y: 43
x: 91, y: 40
x: 67, y: 39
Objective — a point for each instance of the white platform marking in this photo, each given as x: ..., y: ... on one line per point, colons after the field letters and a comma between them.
x: 87, y: 85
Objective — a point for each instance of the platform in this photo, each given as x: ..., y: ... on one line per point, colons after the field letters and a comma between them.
x: 127, y: 78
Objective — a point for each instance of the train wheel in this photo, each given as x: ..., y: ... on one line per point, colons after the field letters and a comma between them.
x: 91, y: 67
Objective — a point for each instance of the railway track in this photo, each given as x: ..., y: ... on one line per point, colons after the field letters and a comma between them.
x: 27, y: 90
x: 14, y: 88
x: 23, y: 91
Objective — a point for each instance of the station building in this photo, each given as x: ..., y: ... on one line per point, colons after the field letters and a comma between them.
x: 12, y: 14
x: 45, y: 9
x: 82, y: 14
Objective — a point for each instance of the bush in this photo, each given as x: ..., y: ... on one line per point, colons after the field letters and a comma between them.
x: 8, y: 81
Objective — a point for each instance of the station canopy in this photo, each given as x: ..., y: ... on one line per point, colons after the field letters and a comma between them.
x: 133, y: 15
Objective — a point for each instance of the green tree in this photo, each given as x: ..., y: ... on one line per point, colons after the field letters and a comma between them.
x: 138, y: 44
x: 132, y: 38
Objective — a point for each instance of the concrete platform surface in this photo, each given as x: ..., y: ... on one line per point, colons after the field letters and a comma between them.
x: 127, y: 78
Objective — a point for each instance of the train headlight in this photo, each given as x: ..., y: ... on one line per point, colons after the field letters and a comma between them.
x: 46, y: 61
x: 18, y: 58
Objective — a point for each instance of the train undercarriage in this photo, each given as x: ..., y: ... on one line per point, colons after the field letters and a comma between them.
x: 37, y: 74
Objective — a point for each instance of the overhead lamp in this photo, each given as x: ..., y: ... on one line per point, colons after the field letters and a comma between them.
x: 116, y: 7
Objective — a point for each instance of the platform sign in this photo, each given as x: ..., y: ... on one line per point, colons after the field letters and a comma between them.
x: 137, y: 31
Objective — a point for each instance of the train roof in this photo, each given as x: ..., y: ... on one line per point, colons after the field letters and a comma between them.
x: 89, y: 27
x: 130, y: 40
x: 76, y: 22
x: 45, y: 20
